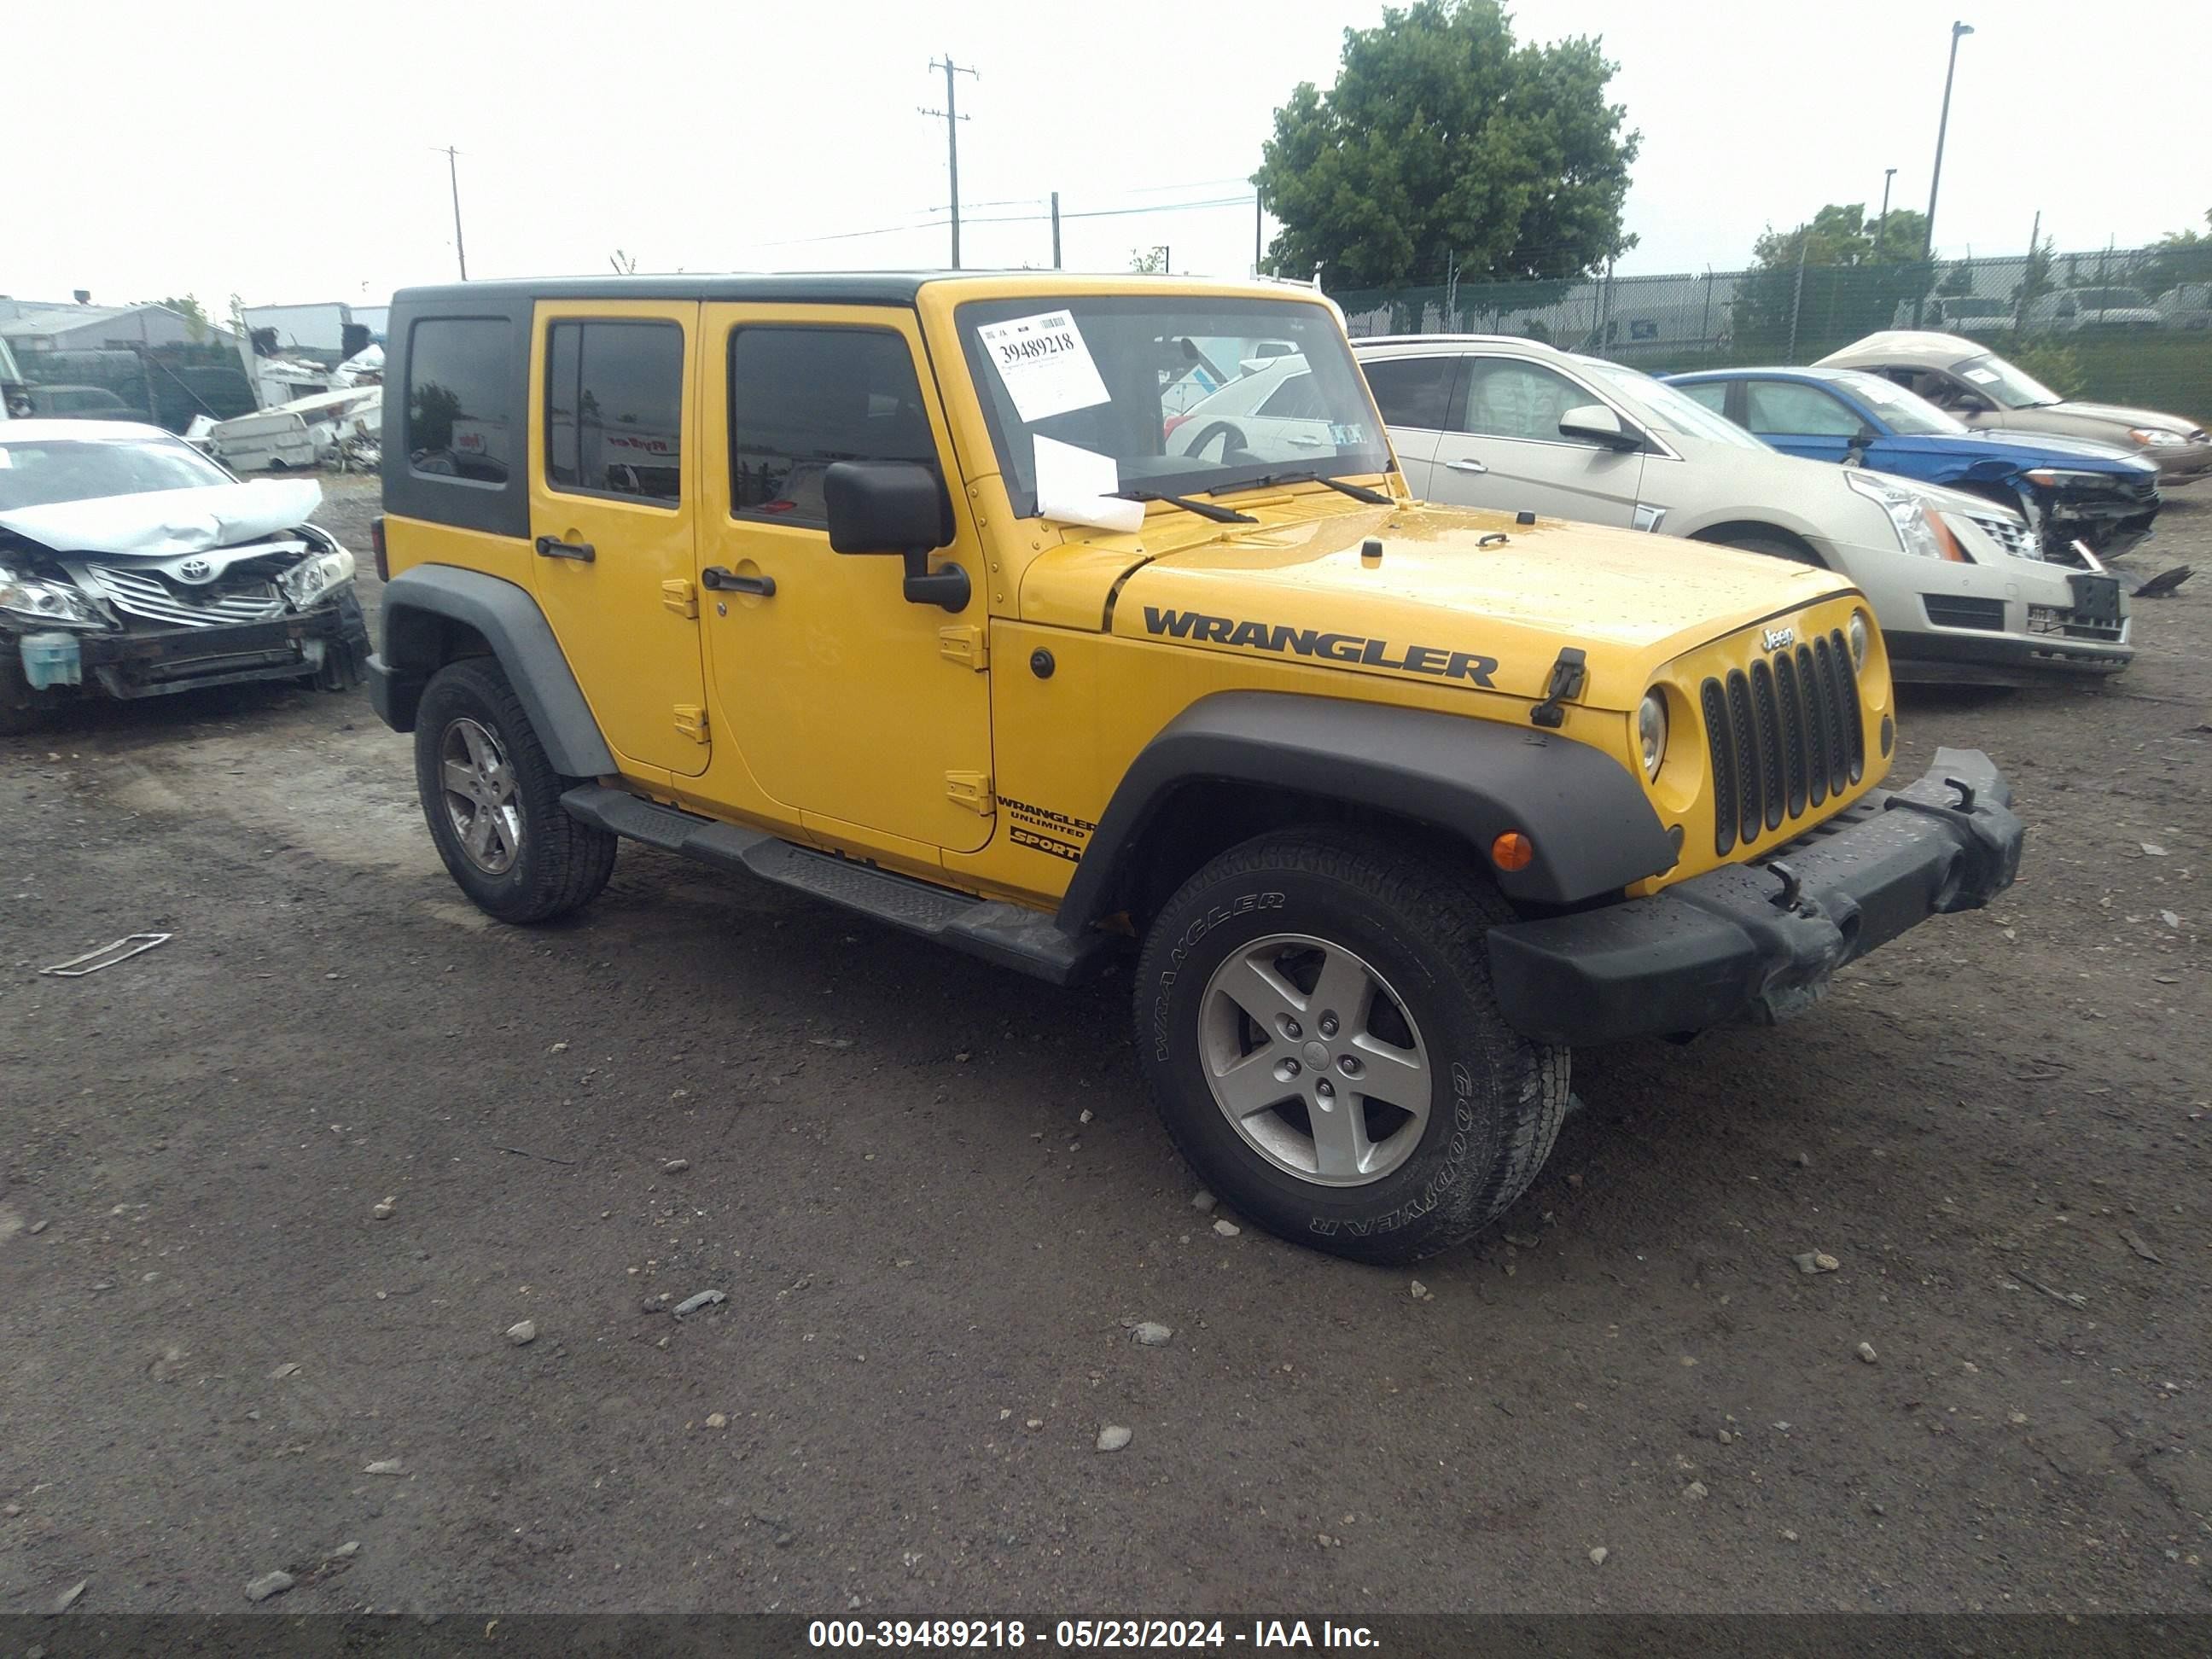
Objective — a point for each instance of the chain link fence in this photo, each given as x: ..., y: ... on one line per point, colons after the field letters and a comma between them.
x: 2131, y: 326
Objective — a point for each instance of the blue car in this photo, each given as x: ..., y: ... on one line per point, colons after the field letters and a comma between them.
x: 2070, y: 489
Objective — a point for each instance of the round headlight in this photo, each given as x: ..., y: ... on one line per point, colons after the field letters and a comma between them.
x: 1651, y: 732
x: 1855, y: 632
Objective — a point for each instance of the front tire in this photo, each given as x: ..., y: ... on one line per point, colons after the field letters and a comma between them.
x: 1316, y: 1021
x: 493, y: 800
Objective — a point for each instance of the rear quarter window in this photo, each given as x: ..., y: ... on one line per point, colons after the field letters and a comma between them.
x: 457, y: 429
x: 458, y: 424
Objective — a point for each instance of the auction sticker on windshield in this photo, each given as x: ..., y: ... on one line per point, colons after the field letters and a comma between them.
x: 1047, y: 368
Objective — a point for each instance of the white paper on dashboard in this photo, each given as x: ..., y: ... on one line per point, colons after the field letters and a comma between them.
x: 1077, y: 486
x: 1047, y: 367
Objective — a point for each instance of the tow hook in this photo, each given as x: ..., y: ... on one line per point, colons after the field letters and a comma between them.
x: 1792, y: 896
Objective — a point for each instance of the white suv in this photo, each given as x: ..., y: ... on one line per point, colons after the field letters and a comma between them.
x: 1517, y: 425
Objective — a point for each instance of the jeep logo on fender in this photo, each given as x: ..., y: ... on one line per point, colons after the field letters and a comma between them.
x: 1310, y: 642
x: 1777, y: 638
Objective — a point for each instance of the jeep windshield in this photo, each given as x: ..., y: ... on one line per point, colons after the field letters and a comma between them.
x: 42, y: 471
x: 1182, y: 394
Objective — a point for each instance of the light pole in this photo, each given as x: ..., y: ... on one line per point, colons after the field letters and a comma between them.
x: 1942, y: 127
x: 1882, y: 224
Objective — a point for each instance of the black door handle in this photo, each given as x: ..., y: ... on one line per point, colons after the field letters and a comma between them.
x: 718, y: 580
x: 552, y: 547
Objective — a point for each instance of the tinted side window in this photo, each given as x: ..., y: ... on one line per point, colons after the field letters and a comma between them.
x: 456, y: 424
x: 1507, y: 398
x: 1713, y: 394
x: 801, y: 399
x: 1788, y: 410
x: 614, y: 408
x: 1411, y: 391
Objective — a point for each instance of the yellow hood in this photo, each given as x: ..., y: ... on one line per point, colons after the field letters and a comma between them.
x: 1439, y: 603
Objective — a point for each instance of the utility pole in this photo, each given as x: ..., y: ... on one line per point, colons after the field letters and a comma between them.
x: 1259, y: 227
x: 1882, y: 224
x: 454, y: 177
x: 1942, y: 127
x: 1055, y: 230
x: 953, y: 117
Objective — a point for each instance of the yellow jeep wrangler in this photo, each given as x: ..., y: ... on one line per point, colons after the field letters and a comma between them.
x: 922, y: 594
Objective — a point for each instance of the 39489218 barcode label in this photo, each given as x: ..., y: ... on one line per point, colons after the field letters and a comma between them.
x: 1046, y: 366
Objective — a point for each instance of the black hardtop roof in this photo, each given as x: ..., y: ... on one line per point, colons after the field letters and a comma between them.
x: 852, y: 287
x: 867, y: 288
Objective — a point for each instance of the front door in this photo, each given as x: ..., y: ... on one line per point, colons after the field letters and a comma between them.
x: 868, y: 714
x: 1507, y: 451
x: 614, y: 503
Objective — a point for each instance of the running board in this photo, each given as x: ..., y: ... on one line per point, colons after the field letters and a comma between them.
x: 1004, y: 934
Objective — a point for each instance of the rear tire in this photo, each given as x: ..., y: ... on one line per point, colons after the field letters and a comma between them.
x: 1316, y: 1021
x: 493, y: 800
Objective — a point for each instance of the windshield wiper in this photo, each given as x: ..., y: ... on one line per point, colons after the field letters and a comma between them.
x: 1357, y: 492
x: 1204, y: 509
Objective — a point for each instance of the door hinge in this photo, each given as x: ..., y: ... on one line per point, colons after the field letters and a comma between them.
x: 964, y: 645
x: 971, y: 790
x: 692, y: 721
x: 679, y: 596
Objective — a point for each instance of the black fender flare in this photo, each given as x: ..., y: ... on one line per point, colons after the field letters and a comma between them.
x: 416, y: 606
x: 1594, y: 830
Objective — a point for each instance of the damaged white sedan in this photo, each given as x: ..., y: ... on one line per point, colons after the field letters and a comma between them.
x: 132, y: 566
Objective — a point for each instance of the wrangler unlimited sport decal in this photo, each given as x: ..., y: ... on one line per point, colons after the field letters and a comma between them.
x: 1310, y: 642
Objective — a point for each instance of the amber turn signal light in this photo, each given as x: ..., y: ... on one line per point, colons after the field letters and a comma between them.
x: 1512, y: 851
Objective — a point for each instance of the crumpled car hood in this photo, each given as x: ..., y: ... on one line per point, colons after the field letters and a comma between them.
x: 163, y: 524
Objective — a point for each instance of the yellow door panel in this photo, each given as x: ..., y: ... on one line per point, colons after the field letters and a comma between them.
x: 844, y: 702
x: 615, y: 465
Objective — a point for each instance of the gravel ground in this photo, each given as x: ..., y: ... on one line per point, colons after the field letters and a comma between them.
x: 273, y: 1196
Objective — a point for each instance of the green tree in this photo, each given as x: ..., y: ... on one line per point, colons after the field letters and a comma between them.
x: 2035, y: 280
x: 1149, y: 261
x: 1445, y: 145
x: 1850, y: 288
x: 2178, y: 256
x: 1958, y: 280
x: 195, y: 315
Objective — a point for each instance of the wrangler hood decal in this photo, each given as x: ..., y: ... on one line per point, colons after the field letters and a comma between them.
x: 1458, y: 599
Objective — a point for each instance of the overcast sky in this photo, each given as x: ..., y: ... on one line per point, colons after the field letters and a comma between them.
x: 284, y: 152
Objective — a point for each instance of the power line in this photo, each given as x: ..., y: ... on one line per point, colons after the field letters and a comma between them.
x: 1013, y: 219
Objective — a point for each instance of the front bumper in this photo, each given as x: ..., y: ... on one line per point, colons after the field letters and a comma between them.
x: 331, y: 641
x: 2181, y: 464
x: 1762, y: 940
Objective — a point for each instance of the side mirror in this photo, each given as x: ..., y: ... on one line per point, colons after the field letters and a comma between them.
x: 897, y: 507
x: 1970, y: 402
x: 1600, y: 425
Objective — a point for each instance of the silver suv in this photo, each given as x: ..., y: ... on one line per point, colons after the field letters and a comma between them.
x: 1490, y: 421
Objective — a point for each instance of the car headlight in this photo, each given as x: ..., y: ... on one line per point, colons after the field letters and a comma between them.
x: 58, y: 603
x: 314, y: 580
x: 1651, y: 732
x: 1855, y: 634
x: 1915, y: 534
x: 2054, y: 477
x: 2153, y: 438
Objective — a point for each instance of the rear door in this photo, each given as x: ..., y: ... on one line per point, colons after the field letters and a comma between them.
x: 1802, y: 419
x: 1507, y: 452
x: 614, y: 482
x: 1414, y: 395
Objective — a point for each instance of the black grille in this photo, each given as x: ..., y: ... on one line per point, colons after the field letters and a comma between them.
x: 1948, y: 611
x: 1783, y: 737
